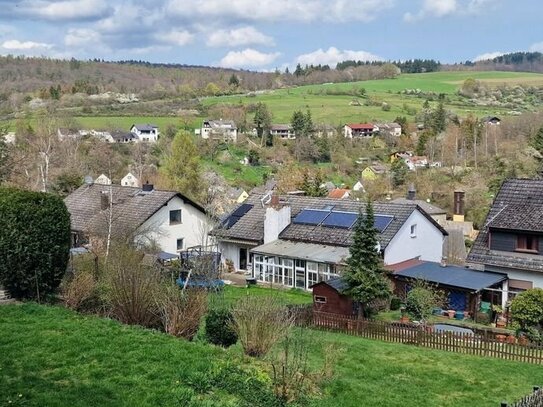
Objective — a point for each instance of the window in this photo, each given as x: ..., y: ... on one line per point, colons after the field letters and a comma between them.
x: 413, y: 230
x: 527, y: 243
x: 180, y: 244
x: 175, y: 216
x: 320, y: 299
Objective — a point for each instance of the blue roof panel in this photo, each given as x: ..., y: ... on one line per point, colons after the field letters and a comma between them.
x: 382, y: 221
x: 311, y: 217
x: 344, y: 220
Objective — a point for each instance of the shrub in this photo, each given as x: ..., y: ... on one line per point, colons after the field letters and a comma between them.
x: 181, y: 311
x: 132, y: 289
x: 220, y: 328
x: 422, y: 299
x: 79, y: 291
x: 34, y: 242
x: 260, y: 323
x: 395, y: 303
x: 527, y: 310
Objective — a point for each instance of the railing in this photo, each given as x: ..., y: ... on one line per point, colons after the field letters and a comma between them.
x: 468, y: 343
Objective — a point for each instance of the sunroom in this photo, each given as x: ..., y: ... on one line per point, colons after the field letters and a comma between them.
x: 297, y: 264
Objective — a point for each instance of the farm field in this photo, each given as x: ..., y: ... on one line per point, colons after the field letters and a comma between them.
x: 54, y: 357
x: 336, y: 109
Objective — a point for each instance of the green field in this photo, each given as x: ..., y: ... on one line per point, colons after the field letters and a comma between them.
x: 53, y: 357
x: 292, y: 296
x: 336, y: 109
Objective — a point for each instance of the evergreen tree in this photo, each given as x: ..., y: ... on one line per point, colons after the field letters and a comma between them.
x: 262, y: 120
x: 181, y: 168
x: 365, y: 275
x: 438, y: 121
x: 298, y: 123
x: 233, y: 81
x: 308, y: 124
x: 399, y: 170
x: 299, y: 70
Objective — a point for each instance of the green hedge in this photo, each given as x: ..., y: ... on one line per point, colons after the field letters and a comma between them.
x: 34, y: 242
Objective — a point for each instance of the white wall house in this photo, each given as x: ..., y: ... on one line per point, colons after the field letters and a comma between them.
x: 356, y: 130
x: 145, y: 132
x: 282, y: 131
x: 130, y: 180
x: 225, y: 130
x: 103, y: 180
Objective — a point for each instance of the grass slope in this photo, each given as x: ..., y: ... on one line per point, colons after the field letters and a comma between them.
x: 54, y: 357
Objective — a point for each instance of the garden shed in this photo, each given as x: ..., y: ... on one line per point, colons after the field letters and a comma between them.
x: 328, y: 297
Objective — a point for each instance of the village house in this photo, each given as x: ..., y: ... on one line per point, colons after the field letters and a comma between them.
x: 145, y: 215
x: 438, y: 214
x: 237, y: 195
x: 511, y: 240
x: 282, y: 131
x: 130, y: 180
x: 358, y: 187
x: 102, y: 179
x: 491, y: 121
x: 356, y: 130
x: 339, y: 193
x: 145, y: 132
x: 120, y: 136
x: 392, y: 129
x: 224, y: 130
x: 373, y: 172
x: 297, y: 241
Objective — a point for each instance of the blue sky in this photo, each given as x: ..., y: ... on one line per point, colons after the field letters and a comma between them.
x: 269, y: 34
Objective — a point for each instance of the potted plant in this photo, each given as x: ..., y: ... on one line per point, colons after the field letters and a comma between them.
x: 499, y: 320
x: 451, y: 313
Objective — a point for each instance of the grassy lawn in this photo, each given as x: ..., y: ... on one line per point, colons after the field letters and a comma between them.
x: 54, y: 357
x: 292, y: 296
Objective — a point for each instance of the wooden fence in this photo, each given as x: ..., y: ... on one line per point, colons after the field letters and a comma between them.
x: 473, y: 344
x: 533, y: 400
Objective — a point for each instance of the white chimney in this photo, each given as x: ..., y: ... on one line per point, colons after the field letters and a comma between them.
x: 276, y: 220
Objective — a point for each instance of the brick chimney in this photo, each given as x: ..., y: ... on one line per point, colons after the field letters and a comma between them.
x: 458, y: 211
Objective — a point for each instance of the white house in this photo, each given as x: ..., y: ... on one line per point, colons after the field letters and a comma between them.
x: 355, y: 130
x: 145, y: 132
x: 102, y: 179
x: 358, y: 187
x: 130, y: 180
x: 393, y: 129
x: 166, y: 219
x: 297, y: 241
x: 225, y: 130
x: 282, y: 131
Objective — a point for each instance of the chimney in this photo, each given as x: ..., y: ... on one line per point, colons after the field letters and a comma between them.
x: 443, y: 262
x: 275, y: 201
x: 276, y: 220
x: 411, y: 193
x: 458, y: 213
x: 104, y: 200
x: 147, y: 187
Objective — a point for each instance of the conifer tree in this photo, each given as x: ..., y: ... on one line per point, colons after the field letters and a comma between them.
x: 365, y: 274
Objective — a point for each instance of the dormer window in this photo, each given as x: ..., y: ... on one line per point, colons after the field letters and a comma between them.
x: 527, y: 243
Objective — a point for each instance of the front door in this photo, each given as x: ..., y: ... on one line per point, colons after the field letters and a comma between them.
x: 243, y: 258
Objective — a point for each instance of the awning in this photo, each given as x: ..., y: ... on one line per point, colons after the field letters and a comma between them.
x: 304, y: 251
x: 452, y: 276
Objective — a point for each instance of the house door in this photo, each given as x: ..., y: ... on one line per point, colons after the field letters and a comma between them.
x: 243, y: 258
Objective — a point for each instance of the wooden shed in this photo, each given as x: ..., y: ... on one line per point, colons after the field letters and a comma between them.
x: 328, y: 297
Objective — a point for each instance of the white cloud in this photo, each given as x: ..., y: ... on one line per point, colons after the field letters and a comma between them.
x: 488, y: 55
x: 81, y: 36
x: 247, y: 58
x: 279, y: 10
x: 537, y: 47
x: 333, y: 55
x: 176, y: 37
x: 65, y: 10
x: 16, y: 45
x: 443, y: 8
x: 238, y: 37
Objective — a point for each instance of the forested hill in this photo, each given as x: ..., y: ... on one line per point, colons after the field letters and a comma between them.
x: 513, y: 62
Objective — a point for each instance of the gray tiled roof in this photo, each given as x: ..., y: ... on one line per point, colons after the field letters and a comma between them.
x: 145, y: 127
x: 251, y: 226
x: 427, y: 207
x: 518, y: 206
x: 131, y: 207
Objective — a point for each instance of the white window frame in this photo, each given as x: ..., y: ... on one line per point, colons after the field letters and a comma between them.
x: 413, y: 230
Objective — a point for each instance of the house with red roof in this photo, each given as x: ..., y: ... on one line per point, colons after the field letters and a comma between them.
x: 354, y: 130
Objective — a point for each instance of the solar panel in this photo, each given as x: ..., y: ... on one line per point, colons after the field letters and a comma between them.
x: 382, y: 222
x: 344, y: 220
x: 235, y: 216
x: 310, y: 217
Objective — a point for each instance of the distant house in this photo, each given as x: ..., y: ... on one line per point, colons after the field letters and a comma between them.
x: 102, y: 135
x: 491, y: 120
x: 238, y: 195
x: 145, y: 132
x: 282, y: 131
x: 392, y: 129
x: 324, y: 130
x: 66, y: 133
x: 355, y: 130
x: 415, y: 162
x: 120, y: 136
x: 129, y: 180
x: 328, y: 185
x: 102, y: 180
x: 224, y: 130
x: 166, y: 218
x: 358, y: 187
x: 372, y: 172
x: 297, y: 241
x: 339, y: 193
x: 511, y: 240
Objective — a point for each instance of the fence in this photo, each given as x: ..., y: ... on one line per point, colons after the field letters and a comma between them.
x: 533, y: 400
x: 468, y: 343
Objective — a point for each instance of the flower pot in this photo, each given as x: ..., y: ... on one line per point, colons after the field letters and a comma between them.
x: 522, y: 340
x: 500, y: 323
x: 511, y: 339
x: 501, y: 338
x: 451, y: 313
x: 404, y: 319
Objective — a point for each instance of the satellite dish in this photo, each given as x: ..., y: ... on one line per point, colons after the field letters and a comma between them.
x: 88, y: 180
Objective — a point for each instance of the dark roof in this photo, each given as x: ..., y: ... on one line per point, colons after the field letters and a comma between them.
x: 250, y: 227
x: 131, y: 206
x: 337, y: 283
x: 122, y: 135
x: 145, y: 127
x: 452, y: 276
x: 517, y: 206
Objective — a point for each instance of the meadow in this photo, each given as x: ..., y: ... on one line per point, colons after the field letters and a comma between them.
x: 52, y: 356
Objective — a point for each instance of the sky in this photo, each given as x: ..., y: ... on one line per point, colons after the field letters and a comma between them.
x: 269, y: 34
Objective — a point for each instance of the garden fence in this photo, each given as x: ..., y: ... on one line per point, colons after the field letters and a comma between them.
x: 486, y: 344
x: 533, y: 400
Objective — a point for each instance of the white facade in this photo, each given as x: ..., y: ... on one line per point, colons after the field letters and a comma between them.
x: 358, y: 187
x: 129, y: 180
x: 239, y: 254
x: 225, y: 130
x: 102, y: 179
x: 172, y: 237
x: 145, y: 133
x: 424, y: 241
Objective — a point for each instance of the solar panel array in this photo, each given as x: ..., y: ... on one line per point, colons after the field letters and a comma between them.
x: 337, y: 219
x: 235, y: 216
